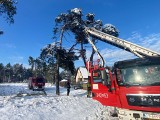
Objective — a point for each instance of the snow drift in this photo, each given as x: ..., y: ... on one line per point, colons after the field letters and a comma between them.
x: 17, y: 102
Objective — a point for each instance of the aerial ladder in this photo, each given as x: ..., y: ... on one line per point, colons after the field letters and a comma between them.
x: 139, y: 51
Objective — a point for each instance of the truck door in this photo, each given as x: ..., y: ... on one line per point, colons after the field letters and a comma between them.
x: 103, y: 88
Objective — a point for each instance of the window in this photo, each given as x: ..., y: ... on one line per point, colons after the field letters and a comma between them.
x: 97, y: 76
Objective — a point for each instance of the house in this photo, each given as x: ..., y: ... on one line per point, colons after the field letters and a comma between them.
x: 81, y: 75
x: 63, y: 82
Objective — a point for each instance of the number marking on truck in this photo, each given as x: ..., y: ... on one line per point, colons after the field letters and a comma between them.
x: 102, y: 95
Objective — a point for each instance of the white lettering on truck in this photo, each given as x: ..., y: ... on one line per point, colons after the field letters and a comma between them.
x: 102, y: 95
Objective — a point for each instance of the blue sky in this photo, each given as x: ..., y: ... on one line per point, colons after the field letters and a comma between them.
x: 137, y: 21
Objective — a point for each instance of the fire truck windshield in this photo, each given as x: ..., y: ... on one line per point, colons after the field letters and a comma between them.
x: 140, y: 75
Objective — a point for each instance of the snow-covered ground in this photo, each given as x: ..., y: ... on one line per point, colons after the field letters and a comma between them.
x: 17, y: 102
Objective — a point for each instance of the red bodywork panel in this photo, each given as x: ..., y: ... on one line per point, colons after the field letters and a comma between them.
x: 118, y: 98
x: 101, y: 94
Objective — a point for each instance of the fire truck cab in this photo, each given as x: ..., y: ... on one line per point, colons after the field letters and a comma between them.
x: 133, y: 86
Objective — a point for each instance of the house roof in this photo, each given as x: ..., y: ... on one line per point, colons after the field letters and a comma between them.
x: 64, y: 80
x: 83, y: 71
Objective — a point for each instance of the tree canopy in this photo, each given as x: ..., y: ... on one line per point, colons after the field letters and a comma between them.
x: 73, y: 22
x: 66, y: 57
x: 14, y: 73
x: 7, y: 10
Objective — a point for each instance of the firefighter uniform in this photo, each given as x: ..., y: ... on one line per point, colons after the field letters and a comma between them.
x: 88, y: 90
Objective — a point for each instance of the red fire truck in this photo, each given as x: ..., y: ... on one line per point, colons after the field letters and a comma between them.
x: 132, y: 86
x: 36, y: 83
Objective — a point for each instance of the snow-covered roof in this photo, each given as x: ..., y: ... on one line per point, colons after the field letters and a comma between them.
x: 64, y: 80
x: 83, y: 71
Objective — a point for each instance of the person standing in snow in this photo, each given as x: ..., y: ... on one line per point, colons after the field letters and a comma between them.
x: 88, y: 90
x: 68, y: 86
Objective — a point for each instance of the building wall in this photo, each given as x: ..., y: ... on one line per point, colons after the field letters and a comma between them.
x: 80, y: 77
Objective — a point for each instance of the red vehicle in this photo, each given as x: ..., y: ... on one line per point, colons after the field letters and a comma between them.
x: 133, y: 86
x: 36, y: 83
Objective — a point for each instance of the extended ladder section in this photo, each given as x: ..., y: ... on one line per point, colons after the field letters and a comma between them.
x: 120, y: 43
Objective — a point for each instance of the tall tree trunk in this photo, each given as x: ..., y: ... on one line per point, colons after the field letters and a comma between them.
x: 93, y: 51
x: 91, y: 57
x: 57, y: 76
x: 83, y: 56
x: 57, y: 67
